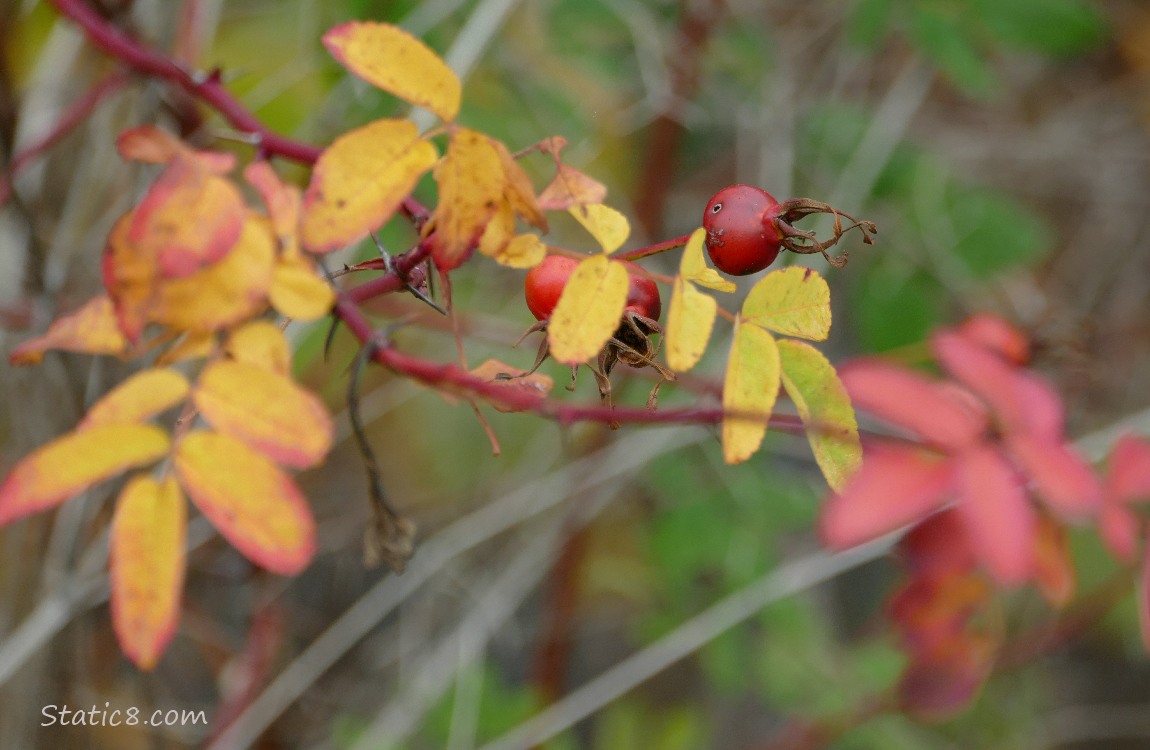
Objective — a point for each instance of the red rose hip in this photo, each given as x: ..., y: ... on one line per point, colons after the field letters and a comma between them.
x: 742, y: 237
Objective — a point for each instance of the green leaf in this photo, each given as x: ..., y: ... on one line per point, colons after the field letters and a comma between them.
x: 1053, y: 27
x: 825, y: 409
x: 869, y: 22
x: 995, y: 232
x: 794, y: 301
x: 891, y: 308
x: 943, y: 39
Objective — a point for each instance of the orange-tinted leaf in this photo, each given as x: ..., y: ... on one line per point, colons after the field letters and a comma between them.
x: 570, y: 187
x: 153, y: 145
x: 693, y: 267
x: 255, y: 505
x: 794, y: 301
x: 1053, y: 566
x: 825, y: 408
x: 588, y: 311
x: 130, y: 278
x: 609, y: 227
x: 93, y: 329
x: 260, y: 343
x: 297, y: 292
x: 948, y: 418
x: 895, y: 486
x: 71, y: 464
x: 360, y: 180
x: 221, y: 295
x: 501, y: 374
x: 689, y: 322
x: 138, y: 399
x: 471, y: 184
x: 267, y: 411
x: 395, y: 61
x: 282, y: 202
x: 1001, y: 522
x: 189, y: 218
x: 147, y: 561
x: 749, y: 391
x: 519, y: 191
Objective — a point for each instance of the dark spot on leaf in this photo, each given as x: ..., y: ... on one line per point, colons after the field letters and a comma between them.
x: 807, y: 274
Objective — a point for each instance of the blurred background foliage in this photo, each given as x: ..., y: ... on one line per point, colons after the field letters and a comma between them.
x: 1002, y: 147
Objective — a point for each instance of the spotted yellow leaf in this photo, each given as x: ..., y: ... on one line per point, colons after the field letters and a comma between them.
x: 825, y: 408
x: 794, y: 301
x: 392, y: 59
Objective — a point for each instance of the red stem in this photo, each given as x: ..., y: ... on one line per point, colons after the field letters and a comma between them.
x: 71, y: 117
x: 646, y: 252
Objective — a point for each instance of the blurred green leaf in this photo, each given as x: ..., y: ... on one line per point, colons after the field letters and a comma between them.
x: 1053, y: 27
x: 944, y: 39
x: 894, y: 307
x: 995, y: 232
x: 869, y: 23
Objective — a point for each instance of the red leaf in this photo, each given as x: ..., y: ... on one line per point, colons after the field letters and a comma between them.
x: 1023, y: 401
x: 937, y: 546
x: 999, y: 518
x: 1129, y: 477
x: 906, y: 399
x: 941, y: 683
x: 993, y: 333
x: 1144, y: 599
x: 895, y: 486
x: 1063, y: 479
x: 1120, y: 530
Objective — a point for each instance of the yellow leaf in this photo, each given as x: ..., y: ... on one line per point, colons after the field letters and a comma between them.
x: 794, y: 301
x: 523, y: 251
x: 260, y: 343
x: 146, y: 561
x: 74, y: 462
x: 689, y: 323
x: 825, y: 408
x: 471, y: 184
x: 267, y: 411
x: 360, y: 180
x: 609, y: 227
x: 138, y: 399
x: 588, y: 311
x: 749, y: 391
x: 253, y: 504
x: 570, y: 187
x: 395, y: 61
x: 693, y: 267
x: 221, y: 295
x: 192, y: 345
x: 93, y: 329
x: 297, y: 291
x: 188, y: 219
